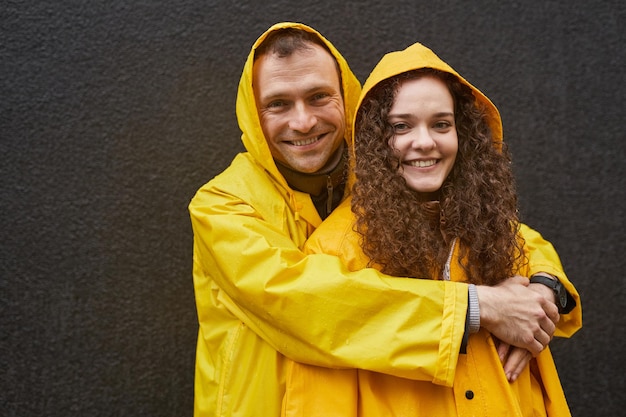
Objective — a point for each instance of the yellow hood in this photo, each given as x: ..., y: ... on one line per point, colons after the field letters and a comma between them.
x: 247, y: 114
x: 418, y: 56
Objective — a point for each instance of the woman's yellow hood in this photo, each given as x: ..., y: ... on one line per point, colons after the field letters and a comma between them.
x: 418, y: 56
x: 247, y: 114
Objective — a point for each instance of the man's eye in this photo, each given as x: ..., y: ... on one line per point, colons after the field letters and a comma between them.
x: 276, y: 104
x: 320, y: 96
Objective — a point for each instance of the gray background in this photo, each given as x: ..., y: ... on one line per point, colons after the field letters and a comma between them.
x: 113, y: 113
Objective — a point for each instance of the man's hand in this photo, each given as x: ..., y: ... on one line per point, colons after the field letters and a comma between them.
x: 518, y: 315
x: 515, y: 359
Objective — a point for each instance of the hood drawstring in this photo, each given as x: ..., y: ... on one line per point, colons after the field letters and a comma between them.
x: 296, y: 208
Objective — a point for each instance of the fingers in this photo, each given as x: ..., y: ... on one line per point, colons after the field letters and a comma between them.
x: 516, y: 362
x: 534, y: 347
x: 547, y: 326
x: 503, y: 351
x: 542, y: 336
x: 552, y: 311
x: 542, y: 340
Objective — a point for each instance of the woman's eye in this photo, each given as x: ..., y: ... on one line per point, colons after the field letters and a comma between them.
x: 399, y: 127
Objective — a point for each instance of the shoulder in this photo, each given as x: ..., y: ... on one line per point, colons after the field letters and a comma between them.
x: 243, y: 179
x: 244, y: 172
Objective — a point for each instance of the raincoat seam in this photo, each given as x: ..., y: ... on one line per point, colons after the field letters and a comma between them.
x: 228, y: 359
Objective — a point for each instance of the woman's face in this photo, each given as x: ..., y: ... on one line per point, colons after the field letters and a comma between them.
x: 425, y: 138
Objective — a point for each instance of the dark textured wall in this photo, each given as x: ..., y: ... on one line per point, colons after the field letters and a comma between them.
x: 112, y: 114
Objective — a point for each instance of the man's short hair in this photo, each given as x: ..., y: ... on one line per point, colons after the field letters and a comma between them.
x: 284, y: 42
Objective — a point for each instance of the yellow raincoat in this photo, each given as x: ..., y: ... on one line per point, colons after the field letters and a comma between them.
x: 443, y: 383
x: 261, y: 300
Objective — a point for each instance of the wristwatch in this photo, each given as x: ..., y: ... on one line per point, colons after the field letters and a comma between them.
x: 564, y: 300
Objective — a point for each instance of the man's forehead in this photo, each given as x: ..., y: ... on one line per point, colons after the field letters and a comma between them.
x: 303, y: 68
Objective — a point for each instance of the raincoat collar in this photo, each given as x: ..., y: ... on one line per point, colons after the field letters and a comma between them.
x: 247, y: 113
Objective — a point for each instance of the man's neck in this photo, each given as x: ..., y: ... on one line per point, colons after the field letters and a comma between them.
x: 315, y: 183
x: 326, y: 186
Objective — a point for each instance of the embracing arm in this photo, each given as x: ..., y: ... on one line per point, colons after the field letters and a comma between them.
x: 311, y: 308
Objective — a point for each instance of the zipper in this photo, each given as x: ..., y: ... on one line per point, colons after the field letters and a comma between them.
x: 446, y: 268
x: 329, y: 189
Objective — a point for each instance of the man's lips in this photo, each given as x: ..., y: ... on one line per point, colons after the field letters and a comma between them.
x: 304, y: 141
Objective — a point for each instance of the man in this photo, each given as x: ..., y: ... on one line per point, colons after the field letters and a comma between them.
x: 260, y: 299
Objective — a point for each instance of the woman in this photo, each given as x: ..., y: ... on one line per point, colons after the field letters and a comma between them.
x: 434, y: 196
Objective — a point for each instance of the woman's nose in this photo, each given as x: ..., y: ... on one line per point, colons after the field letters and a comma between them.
x: 420, y: 139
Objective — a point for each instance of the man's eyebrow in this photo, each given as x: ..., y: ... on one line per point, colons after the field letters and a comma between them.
x: 281, y: 95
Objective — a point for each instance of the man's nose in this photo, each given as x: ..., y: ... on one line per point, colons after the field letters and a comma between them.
x: 302, y: 118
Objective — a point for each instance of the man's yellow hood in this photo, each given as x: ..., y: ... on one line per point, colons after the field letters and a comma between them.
x: 247, y: 114
x: 418, y: 56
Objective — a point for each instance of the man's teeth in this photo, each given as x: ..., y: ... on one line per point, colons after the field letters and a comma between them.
x: 305, y: 141
x: 423, y: 164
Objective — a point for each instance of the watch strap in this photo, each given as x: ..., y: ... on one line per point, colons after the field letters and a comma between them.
x: 551, y: 283
x: 555, y: 285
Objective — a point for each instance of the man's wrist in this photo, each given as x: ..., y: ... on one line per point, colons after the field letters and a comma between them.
x: 562, y: 298
x: 549, y: 293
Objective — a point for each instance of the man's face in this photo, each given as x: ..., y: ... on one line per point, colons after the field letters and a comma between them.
x: 300, y: 107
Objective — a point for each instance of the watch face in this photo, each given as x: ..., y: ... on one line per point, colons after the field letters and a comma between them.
x: 563, y: 299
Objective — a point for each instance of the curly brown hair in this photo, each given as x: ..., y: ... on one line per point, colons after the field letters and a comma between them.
x: 402, y: 234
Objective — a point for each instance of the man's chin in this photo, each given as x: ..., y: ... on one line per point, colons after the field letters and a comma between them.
x: 309, y: 168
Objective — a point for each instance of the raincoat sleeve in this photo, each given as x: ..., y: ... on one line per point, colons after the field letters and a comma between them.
x: 542, y: 257
x: 311, y: 308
